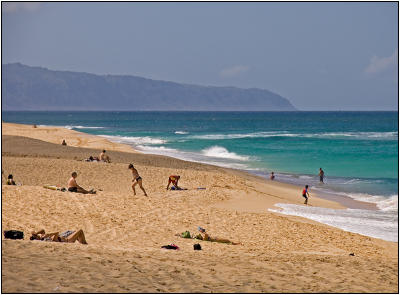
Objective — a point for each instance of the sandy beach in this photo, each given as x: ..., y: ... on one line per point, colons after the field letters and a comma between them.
x: 278, y: 254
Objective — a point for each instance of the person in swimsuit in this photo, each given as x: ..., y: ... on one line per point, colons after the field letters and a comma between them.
x: 75, y: 188
x: 306, y: 195
x: 105, y: 158
x: 136, y: 179
x: 321, y: 175
x: 205, y: 237
x: 272, y: 177
x: 174, y: 180
x: 64, y: 237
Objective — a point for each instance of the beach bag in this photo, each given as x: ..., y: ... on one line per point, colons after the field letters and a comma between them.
x: 186, y: 235
x: 13, y: 234
x: 197, y: 247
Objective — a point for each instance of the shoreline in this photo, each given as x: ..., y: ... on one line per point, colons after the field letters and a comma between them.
x: 125, y: 232
x: 87, y: 140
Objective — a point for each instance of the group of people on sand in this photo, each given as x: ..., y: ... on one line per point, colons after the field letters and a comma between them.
x: 305, y: 192
x: 103, y: 157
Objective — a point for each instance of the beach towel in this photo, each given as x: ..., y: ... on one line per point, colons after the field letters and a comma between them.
x: 55, y: 188
x: 171, y: 247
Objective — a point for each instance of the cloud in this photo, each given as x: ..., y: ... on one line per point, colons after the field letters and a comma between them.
x: 380, y: 64
x: 233, y: 71
x: 10, y: 7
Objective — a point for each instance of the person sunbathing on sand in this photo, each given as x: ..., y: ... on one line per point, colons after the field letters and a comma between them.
x: 205, y: 237
x: 64, y: 237
x: 136, y: 179
x: 75, y: 188
x: 103, y: 157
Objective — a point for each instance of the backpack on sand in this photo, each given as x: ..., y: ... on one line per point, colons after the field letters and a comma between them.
x: 13, y: 234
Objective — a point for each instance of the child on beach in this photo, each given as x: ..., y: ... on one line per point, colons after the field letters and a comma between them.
x: 73, y: 186
x: 305, y: 193
x: 136, y: 179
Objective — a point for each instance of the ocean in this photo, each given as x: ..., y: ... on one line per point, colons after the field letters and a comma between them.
x: 357, y: 150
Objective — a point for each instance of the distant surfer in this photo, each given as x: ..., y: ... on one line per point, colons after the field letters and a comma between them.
x: 321, y: 175
x: 306, y: 195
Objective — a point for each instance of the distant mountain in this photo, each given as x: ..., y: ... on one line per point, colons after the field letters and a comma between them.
x: 36, y: 88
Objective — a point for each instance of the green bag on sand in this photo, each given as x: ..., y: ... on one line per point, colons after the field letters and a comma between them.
x: 186, y: 235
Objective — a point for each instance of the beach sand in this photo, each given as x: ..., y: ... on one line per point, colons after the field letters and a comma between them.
x: 279, y: 254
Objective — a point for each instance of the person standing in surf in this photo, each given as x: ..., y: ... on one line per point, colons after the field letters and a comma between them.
x: 136, y: 179
x: 321, y: 175
x: 306, y: 195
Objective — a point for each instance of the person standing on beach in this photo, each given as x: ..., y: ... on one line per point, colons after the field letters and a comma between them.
x: 136, y: 179
x: 321, y: 175
x: 306, y: 195
x: 272, y: 177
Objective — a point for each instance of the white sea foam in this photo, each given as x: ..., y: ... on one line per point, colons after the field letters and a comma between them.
x: 327, y: 135
x: 373, y: 223
x: 181, y: 132
x: 221, y: 152
x: 190, y: 156
x: 81, y: 127
x: 382, y: 202
x: 135, y: 140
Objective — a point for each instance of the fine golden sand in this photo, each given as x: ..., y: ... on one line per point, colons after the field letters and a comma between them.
x: 278, y: 254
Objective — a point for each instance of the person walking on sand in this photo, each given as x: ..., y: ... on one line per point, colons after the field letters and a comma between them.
x: 321, y: 175
x: 136, y: 179
x: 272, y: 177
x: 73, y: 186
x: 306, y: 195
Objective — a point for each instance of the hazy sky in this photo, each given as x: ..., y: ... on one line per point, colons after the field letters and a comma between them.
x: 321, y: 56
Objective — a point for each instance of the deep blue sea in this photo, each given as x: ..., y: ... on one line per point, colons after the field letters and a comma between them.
x: 357, y: 150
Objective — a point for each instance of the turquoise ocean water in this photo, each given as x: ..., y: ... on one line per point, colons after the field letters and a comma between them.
x: 357, y: 150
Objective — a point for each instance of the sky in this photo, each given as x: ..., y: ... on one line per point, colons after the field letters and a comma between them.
x: 321, y: 56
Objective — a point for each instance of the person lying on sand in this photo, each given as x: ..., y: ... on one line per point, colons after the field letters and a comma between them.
x: 136, y: 179
x: 92, y: 159
x: 174, y: 180
x: 205, y: 237
x: 103, y: 157
x: 64, y: 237
x: 75, y: 188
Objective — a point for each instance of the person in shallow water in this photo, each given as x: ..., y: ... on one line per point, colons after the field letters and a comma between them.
x: 321, y: 175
